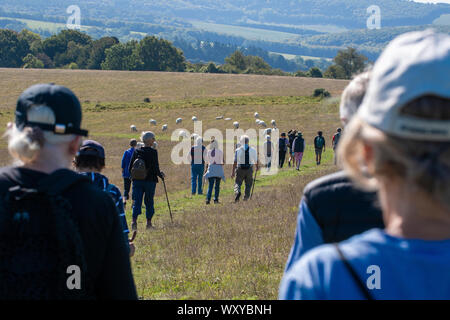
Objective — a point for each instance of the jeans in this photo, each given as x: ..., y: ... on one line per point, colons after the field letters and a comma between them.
x: 210, y: 188
x: 126, y: 188
x: 197, y: 177
x: 143, y: 190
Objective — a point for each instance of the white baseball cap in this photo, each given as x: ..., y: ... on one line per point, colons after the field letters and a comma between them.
x: 414, y: 64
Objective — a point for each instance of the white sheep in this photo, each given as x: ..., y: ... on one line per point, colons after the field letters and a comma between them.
x: 273, y: 122
x: 152, y: 121
x: 219, y: 118
x: 263, y: 124
x: 236, y: 124
x: 179, y: 120
x: 133, y: 128
x: 164, y: 127
x: 228, y: 119
x: 194, y: 118
x: 256, y: 115
x: 258, y: 121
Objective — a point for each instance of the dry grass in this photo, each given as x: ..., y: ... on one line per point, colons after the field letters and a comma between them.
x: 224, y: 251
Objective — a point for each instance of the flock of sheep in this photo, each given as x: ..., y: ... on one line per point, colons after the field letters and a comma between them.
x: 194, y: 119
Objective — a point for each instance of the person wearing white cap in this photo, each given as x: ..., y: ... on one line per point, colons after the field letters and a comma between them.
x: 399, y: 144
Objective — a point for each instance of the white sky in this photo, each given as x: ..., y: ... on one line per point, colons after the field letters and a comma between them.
x: 433, y: 1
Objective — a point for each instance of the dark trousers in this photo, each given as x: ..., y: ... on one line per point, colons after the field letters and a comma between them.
x: 244, y: 175
x: 213, y: 181
x: 143, y: 190
x: 282, y: 158
x: 126, y: 188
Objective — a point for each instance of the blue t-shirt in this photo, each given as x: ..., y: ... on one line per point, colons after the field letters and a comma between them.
x: 308, y: 234
x: 407, y: 269
x: 126, y: 162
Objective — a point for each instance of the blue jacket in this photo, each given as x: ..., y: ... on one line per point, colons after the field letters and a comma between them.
x: 126, y: 162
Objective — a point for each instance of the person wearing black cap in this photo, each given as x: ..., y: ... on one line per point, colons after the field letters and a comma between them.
x: 90, y: 161
x: 60, y: 236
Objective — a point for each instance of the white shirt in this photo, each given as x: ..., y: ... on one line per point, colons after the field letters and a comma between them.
x: 239, y: 156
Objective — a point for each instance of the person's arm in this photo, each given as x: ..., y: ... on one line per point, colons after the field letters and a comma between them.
x: 124, y: 161
x: 304, y: 145
x: 156, y: 163
x: 307, y: 236
x: 133, y: 158
x: 116, y: 279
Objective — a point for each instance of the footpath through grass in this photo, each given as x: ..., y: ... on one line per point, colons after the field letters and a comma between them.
x: 225, y: 251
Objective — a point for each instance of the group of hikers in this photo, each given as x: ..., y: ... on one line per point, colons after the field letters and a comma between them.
x: 388, y: 211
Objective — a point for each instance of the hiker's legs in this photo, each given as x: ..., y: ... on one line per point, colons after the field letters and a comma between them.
x: 200, y: 169
x: 193, y: 179
x: 282, y: 156
x: 150, y: 187
x: 217, y: 189
x: 210, y: 188
x: 137, y: 196
x: 299, y: 157
x: 248, y: 183
x: 238, y: 181
x: 126, y: 188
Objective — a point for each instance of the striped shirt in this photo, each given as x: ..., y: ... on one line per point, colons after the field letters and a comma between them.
x: 102, y: 182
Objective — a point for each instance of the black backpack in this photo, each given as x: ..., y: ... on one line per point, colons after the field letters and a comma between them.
x: 40, y: 240
x: 138, y: 170
x: 282, y: 144
x: 246, y: 165
x: 319, y: 142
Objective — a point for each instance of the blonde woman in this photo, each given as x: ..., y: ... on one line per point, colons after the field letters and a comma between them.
x: 399, y: 144
x: 214, y: 171
x: 55, y: 224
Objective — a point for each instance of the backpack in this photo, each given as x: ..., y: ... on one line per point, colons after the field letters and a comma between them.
x: 282, y: 144
x: 40, y: 240
x: 246, y: 165
x: 336, y: 138
x: 319, y: 142
x: 138, y: 170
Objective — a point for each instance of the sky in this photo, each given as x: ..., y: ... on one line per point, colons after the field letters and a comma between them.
x: 433, y: 1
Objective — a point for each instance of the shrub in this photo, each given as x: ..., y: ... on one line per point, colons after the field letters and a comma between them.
x: 321, y: 93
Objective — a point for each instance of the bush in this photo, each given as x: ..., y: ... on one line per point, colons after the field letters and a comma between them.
x: 321, y: 93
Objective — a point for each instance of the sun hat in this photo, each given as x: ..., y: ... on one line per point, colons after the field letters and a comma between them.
x: 413, y: 65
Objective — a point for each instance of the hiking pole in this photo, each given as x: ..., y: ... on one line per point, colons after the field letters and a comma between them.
x: 167, y: 197
x: 254, y: 182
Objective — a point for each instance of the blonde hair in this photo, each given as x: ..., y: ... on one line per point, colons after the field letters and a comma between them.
x: 25, y: 145
x: 421, y: 165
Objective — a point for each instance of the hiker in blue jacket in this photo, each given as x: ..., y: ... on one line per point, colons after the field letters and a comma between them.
x: 125, y: 172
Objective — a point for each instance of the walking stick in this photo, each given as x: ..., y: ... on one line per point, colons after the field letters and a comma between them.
x: 167, y: 197
x: 254, y: 182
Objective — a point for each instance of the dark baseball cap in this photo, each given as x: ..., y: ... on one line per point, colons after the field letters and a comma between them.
x: 92, y: 148
x: 62, y: 101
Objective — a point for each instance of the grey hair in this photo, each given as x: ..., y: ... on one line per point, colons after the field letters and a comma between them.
x: 199, y: 141
x: 244, y: 140
x: 353, y: 96
x: 147, y: 135
x: 25, y: 145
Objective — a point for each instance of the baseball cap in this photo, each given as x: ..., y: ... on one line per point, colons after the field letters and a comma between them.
x: 414, y: 64
x: 62, y: 101
x: 92, y: 148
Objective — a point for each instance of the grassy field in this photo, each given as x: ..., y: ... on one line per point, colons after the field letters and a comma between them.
x: 224, y: 251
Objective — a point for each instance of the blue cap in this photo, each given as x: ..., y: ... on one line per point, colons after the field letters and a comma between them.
x: 92, y: 148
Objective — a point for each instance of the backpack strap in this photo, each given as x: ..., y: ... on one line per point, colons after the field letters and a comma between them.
x: 367, y: 295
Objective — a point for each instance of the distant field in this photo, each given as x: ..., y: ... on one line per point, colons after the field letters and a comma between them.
x: 52, y: 27
x: 225, y: 251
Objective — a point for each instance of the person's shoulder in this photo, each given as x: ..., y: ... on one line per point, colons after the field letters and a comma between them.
x: 325, y: 183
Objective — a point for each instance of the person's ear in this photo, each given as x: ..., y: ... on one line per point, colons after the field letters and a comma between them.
x: 368, y: 156
x: 74, y: 145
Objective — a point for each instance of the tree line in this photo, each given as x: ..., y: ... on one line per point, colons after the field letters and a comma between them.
x: 72, y: 49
